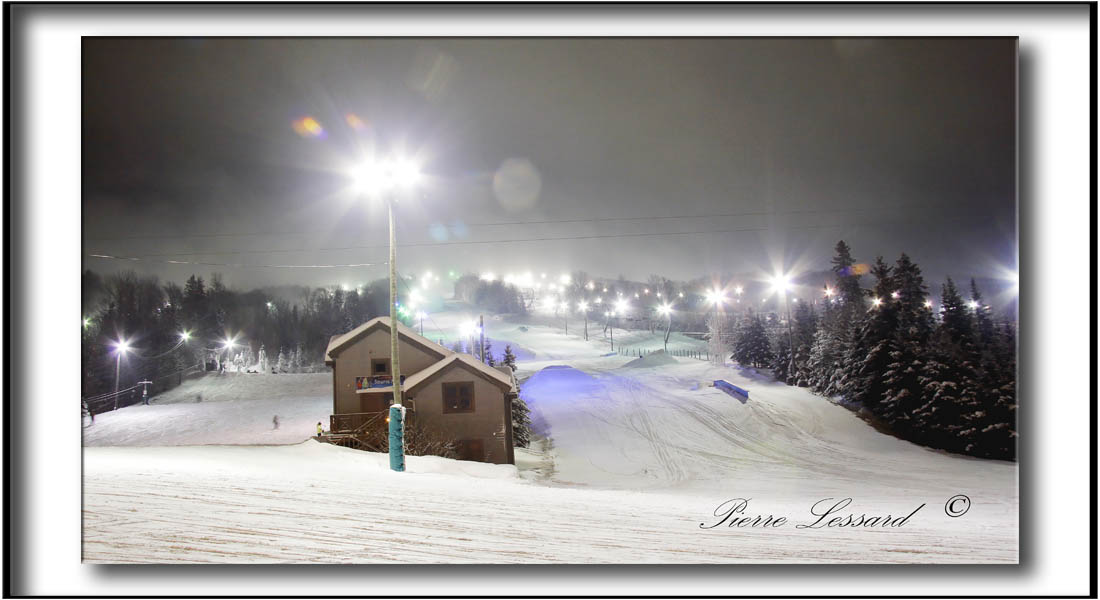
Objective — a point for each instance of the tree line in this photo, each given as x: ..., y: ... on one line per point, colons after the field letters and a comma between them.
x: 152, y: 316
x: 942, y: 378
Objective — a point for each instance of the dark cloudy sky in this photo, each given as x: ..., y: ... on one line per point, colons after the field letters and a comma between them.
x: 778, y: 148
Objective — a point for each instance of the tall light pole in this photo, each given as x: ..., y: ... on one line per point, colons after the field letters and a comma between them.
x: 121, y: 347
x: 782, y: 283
x: 384, y: 178
x: 583, y: 307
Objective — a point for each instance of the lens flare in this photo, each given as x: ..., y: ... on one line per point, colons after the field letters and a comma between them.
x: 308, y: 127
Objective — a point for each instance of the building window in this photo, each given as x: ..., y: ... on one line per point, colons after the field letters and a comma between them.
x: 458, y: 397
x: 380, y: 366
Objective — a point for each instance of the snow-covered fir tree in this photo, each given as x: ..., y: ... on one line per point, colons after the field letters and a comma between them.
x: 752, y: 347
x: 489, y: 360
x: 261, y: 358
x: 869, y: 356
x: 521, y: 423
x: 281, y: 362
x: 509, y: 358
x: 803, y: 328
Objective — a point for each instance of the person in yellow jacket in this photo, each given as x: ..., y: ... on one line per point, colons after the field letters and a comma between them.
x: 319, y: 430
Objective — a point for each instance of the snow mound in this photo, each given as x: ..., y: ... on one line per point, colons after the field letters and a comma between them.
x: 655, y: 359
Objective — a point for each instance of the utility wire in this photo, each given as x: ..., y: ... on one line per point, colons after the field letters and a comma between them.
x: 212, y: 264
x: 492, y: 224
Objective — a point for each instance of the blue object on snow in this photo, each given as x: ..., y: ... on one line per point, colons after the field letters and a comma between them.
x: 730, y: 389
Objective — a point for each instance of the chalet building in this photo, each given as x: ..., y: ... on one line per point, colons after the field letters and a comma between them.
x: 445, y: 391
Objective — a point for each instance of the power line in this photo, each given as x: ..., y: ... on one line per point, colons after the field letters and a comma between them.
x: 492, y: 224
x: 212, y: 264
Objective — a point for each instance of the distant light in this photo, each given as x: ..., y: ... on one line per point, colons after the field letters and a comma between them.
x: 544, y: 275
x: 928, y: 304
x: 582, y: 306
x: 605, y: 290
x: 681, y: 294
x: 665, y: 309
x: 122, y: 346
x: 565, y: 279
x: 828, y: 292
x: 972, y: 304
x: 895, y: 295
x: 716, y: 297
x: 646, y: 291
x: 421, y: 315
x: 469, y: 328
x: 737, y: 290
x: 590, y: 285
x: 635, y: 294
x: 87, y: 321
x: 622, y: 306
x: 876, y: 302
x: 658, y: 294
x: 269, y: 305
x: 489, y: 276
x: 599, y: 299
x: 229, y: 343
x: 185, y: 335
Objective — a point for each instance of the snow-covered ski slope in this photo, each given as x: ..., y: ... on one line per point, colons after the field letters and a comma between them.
x: 638, y: 453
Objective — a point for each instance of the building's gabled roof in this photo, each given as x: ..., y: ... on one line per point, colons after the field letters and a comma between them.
x: 337, y: 343
x: 504, y: 380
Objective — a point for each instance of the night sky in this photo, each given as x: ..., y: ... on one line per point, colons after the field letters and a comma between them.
x: 236, y: 152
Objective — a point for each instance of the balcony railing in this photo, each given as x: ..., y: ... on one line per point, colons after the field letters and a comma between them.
x: 377, y: 381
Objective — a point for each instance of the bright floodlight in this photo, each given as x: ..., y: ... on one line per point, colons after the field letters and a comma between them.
x: 972, y: 304
x: 185, y: 335
x: 599, y: 300
x: 681, y: 294
x: 490, y: 277
x: 876, y: 302
x: 895, y: 295
x: 421, y: 315
x: 828, y: 292
x: 665, y: 309
x: 716, y: 297
x: 590, y: 285
x: 229, y: 343
x: 565, y: 279
x: 468, y: 328
x: 582, y: 306
x: 621, y: 306
x: 122, y: 346
x: 928, y: 304
x: 377, y: 176
x: 737, y: 290
x: 781, y: 283
x: 87, y: 321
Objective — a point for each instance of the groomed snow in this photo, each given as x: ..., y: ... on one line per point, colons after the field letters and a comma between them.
x: 632, y: 461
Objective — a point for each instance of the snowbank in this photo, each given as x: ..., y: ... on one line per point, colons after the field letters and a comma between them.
x: 655, y: 359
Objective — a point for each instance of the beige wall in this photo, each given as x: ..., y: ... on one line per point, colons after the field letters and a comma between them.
x: 354, y: 361
x: 486, y: 423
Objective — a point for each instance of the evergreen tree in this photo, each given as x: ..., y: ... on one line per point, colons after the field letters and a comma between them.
x: 489, y: 360
x: 717, y: 337
x: 521, y: 423
x: 781, y: 358
x: 281, y: 363
x: 869, y: 356
x: 509, y: 358
x: 752, y: 347
x: 803, y: 329
x: 903, y: 393
x: 983, y: 320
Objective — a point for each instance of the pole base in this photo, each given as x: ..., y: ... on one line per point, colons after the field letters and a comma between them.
x: 397, y: 437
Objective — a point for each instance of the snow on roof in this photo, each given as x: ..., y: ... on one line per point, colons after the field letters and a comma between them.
x: 337, y: 342
x: 491, y: 373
